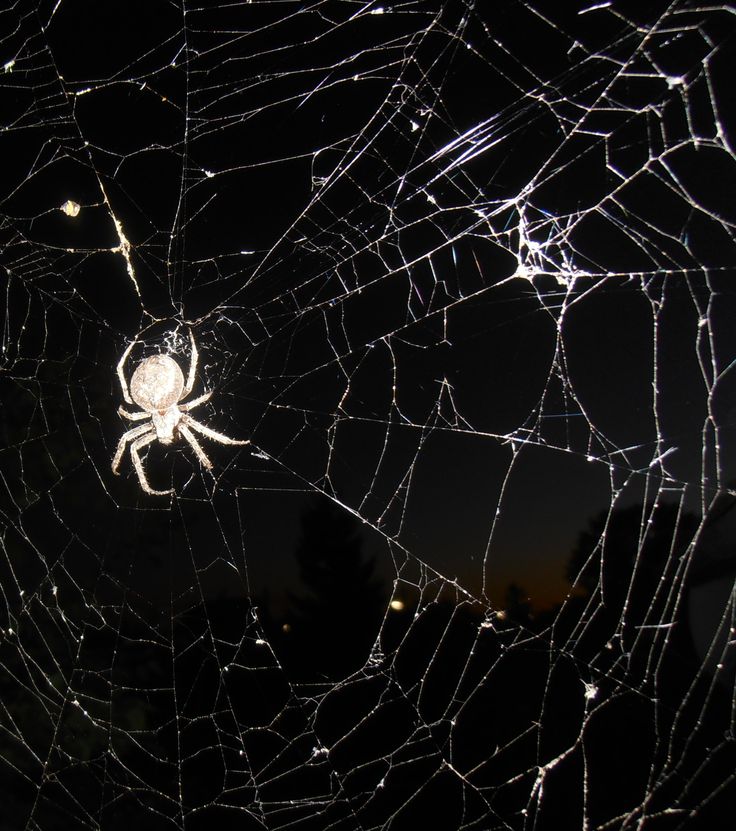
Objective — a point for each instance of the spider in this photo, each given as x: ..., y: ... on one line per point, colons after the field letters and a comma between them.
x: 157, y: 386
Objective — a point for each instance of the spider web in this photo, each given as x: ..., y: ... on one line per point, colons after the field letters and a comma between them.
x: 462, y: 272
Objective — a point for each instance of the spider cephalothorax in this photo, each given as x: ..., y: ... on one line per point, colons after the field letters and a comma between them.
x: 157, y: 386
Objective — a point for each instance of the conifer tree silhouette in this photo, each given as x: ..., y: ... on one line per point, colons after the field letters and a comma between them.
x: 335, y: 621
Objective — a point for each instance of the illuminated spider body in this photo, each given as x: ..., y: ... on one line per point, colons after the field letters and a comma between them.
x: 157, y: 386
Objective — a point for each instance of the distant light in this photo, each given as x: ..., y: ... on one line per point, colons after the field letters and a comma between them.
x: 286, y: 628
x: 70, y: 208
x: 397, y: 605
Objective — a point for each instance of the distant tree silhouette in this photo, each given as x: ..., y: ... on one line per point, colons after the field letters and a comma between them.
x: 517, y: 605
x: 635, y: 543
x: 626, y: 563
x: 333, y: 623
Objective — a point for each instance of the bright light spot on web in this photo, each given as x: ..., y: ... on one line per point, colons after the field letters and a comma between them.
x: 71, y: 208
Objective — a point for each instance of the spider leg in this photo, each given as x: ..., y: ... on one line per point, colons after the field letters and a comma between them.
x: 195, y: 402
x: 192, y: 368
x: 121, y: 375
x: 133, y: 416
x: 201, y: 455
x: 124, y: 439
x: 138, y: 464
x: 211, y: 434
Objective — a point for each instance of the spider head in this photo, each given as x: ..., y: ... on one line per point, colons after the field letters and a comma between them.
x: 157, y: 383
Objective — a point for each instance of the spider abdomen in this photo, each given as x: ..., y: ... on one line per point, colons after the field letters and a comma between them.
x: 157, y: 383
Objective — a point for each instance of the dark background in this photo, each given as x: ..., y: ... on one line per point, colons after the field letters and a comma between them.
x: 463, y: 274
